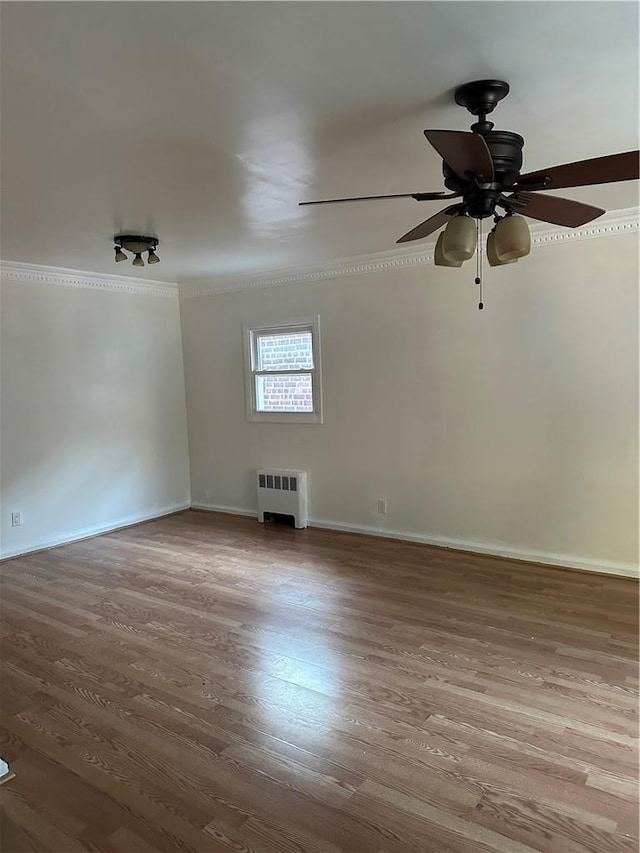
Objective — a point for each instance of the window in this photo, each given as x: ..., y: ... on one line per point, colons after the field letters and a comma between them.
x: 283, y: 373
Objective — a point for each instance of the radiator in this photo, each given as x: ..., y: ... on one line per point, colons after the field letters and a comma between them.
x: 283, y: 491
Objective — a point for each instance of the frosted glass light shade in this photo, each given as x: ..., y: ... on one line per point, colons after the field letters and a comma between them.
x: 494, y: 260
x: 439, y: 258
x: 460, y: 238
x: 512, y: 238
x: 138, y: 262
x: 152, y: 257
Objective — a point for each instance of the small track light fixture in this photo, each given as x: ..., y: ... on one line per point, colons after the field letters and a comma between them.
x: 137, y: 244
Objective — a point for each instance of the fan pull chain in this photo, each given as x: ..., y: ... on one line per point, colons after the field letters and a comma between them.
x: 479, y: 260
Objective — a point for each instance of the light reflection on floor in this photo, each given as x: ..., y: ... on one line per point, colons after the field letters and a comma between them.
x: 299, y: 680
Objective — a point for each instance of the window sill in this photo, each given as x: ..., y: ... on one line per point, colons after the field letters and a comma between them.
x: 284, y: 417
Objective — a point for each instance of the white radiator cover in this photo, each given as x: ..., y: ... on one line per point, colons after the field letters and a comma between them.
x: 282, y: 490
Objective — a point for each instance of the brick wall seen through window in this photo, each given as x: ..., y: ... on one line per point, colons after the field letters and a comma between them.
x: 282, y: 391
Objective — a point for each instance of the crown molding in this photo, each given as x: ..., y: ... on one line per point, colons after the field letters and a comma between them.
x: 37, y: 274
x: 610, y: 225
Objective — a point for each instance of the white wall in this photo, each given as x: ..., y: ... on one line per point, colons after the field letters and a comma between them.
x: 93, y: 428
x: 512, y: 429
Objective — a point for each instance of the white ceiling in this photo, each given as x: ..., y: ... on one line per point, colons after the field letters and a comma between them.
x: 206, y: 123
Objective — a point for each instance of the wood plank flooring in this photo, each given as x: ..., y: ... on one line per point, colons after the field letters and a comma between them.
x: 206, y: 683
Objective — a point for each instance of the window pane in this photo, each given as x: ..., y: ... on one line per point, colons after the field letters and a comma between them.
x: 284, y: 393
x: 288, y: 351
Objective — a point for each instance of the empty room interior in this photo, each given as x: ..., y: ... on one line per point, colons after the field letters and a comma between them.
x: 319, y: 528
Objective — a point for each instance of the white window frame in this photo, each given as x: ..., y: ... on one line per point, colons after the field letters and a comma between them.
x: 250, y: 335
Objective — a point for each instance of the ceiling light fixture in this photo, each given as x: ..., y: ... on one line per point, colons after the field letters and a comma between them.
x: 508, y: 240
x: 136, y: 243
x: 439, y: 257
x: 492, y: 257
x: 512, y: 239
x: 460, y: 239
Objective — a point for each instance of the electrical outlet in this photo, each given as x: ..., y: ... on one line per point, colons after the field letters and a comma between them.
x: 382, y: 506
x: 16, y: 520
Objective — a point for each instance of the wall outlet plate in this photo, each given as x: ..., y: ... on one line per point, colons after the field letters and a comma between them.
x: 16, y: 519
x: 382, y: 506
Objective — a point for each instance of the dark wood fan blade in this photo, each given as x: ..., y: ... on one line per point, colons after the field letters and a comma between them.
x: 429, y: 225
x: 551, y: 208
x: 598, y: 170
x: 466, y: 153
x: 417, y: 196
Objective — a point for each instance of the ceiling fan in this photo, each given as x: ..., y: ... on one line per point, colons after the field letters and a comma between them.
x: 482, y: 169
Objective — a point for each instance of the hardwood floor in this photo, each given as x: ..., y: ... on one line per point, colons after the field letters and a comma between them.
x: 205, y: 683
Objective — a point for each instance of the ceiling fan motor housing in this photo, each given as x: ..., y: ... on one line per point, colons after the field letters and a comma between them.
x: 506, y: 153
x: 481, y: 97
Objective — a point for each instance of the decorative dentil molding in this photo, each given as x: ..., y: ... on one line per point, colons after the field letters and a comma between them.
x: 37, y: 274
x: 611, y: 224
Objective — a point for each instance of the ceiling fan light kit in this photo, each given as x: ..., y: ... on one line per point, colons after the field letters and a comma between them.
x: 481, y: 167
x: 492, y: 257
x: 137, y: 244
x: 439, y: 257
x: 460, y: 239
x: 512, y: 239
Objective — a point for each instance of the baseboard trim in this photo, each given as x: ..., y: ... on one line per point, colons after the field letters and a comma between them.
x: 225, y: 510
x: 572, y: 562
x: 90, y: 532
x: 563, y: 561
